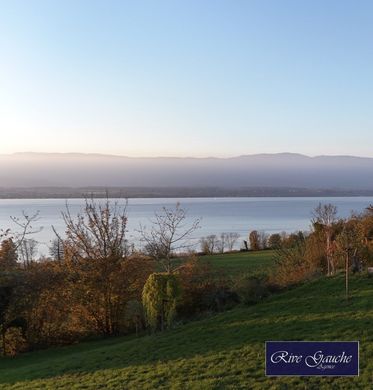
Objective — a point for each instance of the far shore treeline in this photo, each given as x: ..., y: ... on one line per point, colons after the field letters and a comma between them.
x: 95, y: 283
x: 174, y: 192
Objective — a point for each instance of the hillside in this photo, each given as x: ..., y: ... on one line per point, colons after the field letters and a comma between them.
x: 224, y: 351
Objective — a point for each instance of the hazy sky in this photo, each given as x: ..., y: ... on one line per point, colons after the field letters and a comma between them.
x: 186, y: 78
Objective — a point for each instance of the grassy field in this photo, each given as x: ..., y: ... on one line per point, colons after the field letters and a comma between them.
x: 225, y: 351
x: 241, y: 262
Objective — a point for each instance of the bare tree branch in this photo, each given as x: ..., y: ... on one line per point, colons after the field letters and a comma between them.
x: 169, y: 234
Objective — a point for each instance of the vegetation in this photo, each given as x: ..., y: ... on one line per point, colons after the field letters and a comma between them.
x: 97, y: 285
x: 159, y: 296
x: 167, y: 236
x: 225, y: 351
x: 332, y: 245
x: 84, y: 293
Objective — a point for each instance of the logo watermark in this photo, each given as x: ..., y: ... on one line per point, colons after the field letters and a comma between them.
x: 312, y: 358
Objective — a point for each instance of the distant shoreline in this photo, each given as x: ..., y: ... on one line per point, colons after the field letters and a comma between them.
x: 174, y: 192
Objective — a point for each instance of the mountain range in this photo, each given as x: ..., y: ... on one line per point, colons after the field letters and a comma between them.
x: 22, y: 170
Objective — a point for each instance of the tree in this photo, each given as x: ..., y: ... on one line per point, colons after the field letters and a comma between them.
x: 222, y: 242
x: 160, y: 295
x: 27, y: 250
x: 225, y: 241
x: 348, y: 243
x: 98, y: 232
x: 209, y: 244
x: 8, y: 255
x: 56, y: 249
x: 17, y: 241
x: 263, y: 240
x: 254, y: 240
x: 10, y: 279
x: 295, y: 263
x: 6, y: 292
x: 274, y: 241
x: 325, y: 216
x: 168, y: 235
x: 13, y: 243
x: 26, y: 226
x: 101, y: 275
x: 293, y: 239
x: 231, y: 239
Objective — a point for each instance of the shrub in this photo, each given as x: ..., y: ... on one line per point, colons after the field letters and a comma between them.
x: 203, y: 289
x: 301, y: 262
x: 14, y: 342
x: 252, y: 288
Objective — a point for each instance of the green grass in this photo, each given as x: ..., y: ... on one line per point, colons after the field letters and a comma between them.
x: 241, y: 262
x: 225, y: 351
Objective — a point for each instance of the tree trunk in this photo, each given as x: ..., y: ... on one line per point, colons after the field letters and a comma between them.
x: 346, y: 276
x: 162, y: 316
x: 328, y: 252
x: 3, y: 331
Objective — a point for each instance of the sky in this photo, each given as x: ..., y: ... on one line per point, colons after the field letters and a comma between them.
x: 186, y: 78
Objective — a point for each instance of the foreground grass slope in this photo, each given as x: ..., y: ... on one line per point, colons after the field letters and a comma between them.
x: 225, y: 351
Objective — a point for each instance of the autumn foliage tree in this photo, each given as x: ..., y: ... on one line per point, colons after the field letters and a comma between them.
x: 101, y: 275
x: 8, y: 255
x: 325, y: 215
x: 254, y: 240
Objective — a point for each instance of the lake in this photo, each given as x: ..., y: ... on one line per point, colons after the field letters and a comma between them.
x: 217, y: 215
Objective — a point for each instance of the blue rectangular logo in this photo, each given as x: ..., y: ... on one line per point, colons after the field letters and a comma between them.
x: 312, y: 358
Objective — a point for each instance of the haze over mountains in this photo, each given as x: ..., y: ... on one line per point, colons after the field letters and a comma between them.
x: 261, y: 170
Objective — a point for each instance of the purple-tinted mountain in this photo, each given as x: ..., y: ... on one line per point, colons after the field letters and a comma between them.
x: 261, y: 170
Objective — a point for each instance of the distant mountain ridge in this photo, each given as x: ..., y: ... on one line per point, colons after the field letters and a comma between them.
x: 264, y: 155
x: 289, y: 170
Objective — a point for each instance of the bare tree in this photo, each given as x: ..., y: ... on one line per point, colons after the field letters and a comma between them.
x: 27, y: 251
x: 25, y: 248
x: 263, y: 240
x: 347, y: 243
x: 325, y: 215
x: 222, y: 242
x: 25, y: 224
x: 56, y: 248
x: 169, y: 234
x: 231, y: 239
x: 226, y: 241
x: 210, y: 244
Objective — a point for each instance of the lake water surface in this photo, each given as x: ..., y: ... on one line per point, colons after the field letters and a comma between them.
x: 217, y: 215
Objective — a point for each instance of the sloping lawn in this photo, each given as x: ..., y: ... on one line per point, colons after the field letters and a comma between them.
x: 225, y: 351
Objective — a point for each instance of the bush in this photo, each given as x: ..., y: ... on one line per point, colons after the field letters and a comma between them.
x: 303, y: 261
x: 203, y: 290
x: 14, y: 342
x: 252, y: 288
